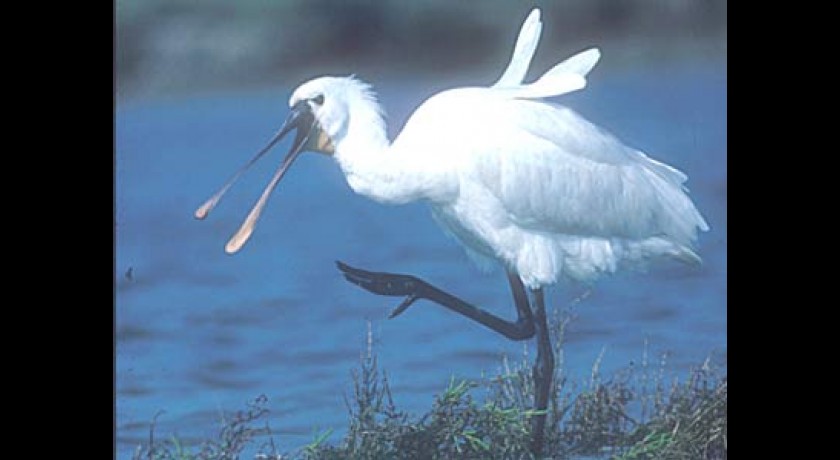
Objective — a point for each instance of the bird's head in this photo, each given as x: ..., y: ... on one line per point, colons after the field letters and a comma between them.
x: 320, y: 102
x: 322, y: 112
x: 335, y: 103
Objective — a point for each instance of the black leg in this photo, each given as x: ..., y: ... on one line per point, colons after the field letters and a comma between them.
x: 414, y: 288
x: 543, y: 372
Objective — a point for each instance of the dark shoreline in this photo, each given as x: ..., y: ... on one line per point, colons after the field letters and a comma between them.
x: 173, y: 47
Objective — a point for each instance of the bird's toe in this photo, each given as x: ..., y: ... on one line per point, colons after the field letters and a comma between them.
x: 392, y: 284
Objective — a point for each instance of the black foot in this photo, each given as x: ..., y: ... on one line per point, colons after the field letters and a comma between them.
x: 391, y: 284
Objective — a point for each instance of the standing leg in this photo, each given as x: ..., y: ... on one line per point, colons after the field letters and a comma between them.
x: 543, y: 371
x: 526, y: 325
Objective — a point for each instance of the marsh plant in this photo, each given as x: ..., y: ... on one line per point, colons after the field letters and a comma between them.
x: 633, y: 414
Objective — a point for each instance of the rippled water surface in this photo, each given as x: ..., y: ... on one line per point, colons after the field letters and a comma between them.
x: 199, y: 332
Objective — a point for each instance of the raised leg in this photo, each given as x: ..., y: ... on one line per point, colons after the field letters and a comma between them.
x: 414, y: 288
x: 543, y: 372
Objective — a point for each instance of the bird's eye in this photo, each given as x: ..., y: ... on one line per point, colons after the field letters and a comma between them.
x: 319, y: 99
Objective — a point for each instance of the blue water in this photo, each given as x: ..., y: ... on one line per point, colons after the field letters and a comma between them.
x: 200, y: 333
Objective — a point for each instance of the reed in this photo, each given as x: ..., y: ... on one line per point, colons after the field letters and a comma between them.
x: 634, y: 414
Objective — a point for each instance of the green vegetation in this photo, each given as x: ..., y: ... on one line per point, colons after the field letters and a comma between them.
x: 590, y: 419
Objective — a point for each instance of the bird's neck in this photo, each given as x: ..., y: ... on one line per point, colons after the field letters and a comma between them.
x: 375, y: 169
x: 365, y: 158
x: 364, y: 140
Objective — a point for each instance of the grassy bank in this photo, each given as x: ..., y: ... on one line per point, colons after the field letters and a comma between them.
x: 632, y: 414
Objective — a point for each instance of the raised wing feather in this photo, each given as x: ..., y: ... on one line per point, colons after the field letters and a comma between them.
x: 565, y: 77
x: 523, y: 51
x: 579, y: 64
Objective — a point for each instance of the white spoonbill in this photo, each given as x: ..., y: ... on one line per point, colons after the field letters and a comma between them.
x: 517, y: 180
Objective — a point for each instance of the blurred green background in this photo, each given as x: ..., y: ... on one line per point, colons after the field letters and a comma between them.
x: 172, y: 46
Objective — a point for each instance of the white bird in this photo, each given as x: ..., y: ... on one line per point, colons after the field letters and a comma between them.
x: 517, y: 180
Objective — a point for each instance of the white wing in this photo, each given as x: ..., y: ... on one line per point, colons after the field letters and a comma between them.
x: 537, y: 186
x: 551, y: 169
x: 554, y: 171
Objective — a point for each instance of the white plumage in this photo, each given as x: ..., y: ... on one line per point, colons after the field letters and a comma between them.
x: 515, y: 179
